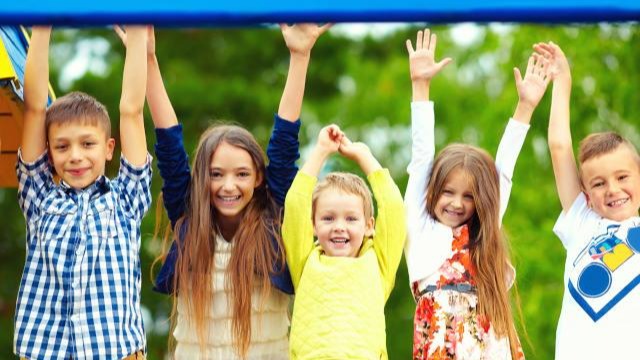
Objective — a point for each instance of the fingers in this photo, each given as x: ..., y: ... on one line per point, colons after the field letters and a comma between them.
x: 409, y: 47
x: 120, y: 31
x: 419, y: 44
x: 432, y: 42
x: 444, y: 62
x: 517, y: 76
x: 334, y: 132
x: 325, y: 27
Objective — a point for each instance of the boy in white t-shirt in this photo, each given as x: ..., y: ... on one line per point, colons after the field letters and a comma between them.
x: 600, y: 229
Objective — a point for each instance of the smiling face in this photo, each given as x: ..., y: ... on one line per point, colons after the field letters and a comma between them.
x: 340, y: 223
x: 455, y: 204
x: 79, y: 151
x: 233, y: 179
x: 612, y: 183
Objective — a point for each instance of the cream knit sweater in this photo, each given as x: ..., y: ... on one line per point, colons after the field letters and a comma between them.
x: 268, y: 328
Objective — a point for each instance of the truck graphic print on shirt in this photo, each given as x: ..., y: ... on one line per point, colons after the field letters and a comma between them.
x: 606, y: 269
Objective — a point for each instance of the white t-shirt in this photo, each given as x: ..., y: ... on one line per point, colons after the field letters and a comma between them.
x: 601, y: 304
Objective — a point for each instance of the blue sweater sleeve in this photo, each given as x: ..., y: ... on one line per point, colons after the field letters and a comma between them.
x: 283, y: 151
x: 173, y: 164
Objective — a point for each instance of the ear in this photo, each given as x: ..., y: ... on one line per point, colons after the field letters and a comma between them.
x: 589, y: 204
x: 370, y: 228
x: 111, y: 144
x: 259, y: 179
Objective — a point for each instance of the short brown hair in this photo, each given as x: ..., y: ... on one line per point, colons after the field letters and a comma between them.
x: 78, y: 107
x: 602, y: 143
x: 348, y: 183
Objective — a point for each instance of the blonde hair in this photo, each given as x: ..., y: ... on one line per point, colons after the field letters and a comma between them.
x: 347, y: 183
x: 487, y: 245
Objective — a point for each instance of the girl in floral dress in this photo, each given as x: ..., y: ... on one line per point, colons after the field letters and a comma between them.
x: 457, y: 258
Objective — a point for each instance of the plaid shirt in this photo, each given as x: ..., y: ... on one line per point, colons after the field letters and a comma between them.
x: 80, y: 290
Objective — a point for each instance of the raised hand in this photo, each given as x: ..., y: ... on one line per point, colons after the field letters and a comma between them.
x: 151, y: 38
x: 422, y: 62
x: 558, y: 64
x: 532, y: 87
x: 300, y: 38
x: 353, y: 150
x: 329, y: 139
x: 360, y: 153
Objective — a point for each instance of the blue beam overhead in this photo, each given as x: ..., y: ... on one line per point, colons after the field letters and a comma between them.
x: 247, y: 12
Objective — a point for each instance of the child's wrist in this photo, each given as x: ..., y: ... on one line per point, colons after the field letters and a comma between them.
x: 300, y: 55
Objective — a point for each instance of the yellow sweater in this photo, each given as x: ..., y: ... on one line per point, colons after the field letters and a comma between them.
x: 338, y: 311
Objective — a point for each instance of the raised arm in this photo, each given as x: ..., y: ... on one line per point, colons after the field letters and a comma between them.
x: 423, y: 68
x: 559, y: 137
x: 300, y: 39
x: 390, y: 228
x: 162, y: 112
x: 530, y: 90
x: 297, y: 226
x: 132, y: 136
x: 36, y: 92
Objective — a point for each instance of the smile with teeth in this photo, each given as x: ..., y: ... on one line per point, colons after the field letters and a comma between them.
x: 229, y: 198
x: 339, y: 240
x: 453, y: 212
x: 617, y: 203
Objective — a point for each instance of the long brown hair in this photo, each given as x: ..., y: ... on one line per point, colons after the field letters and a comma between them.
x: 253, y: 256
x: 487, y: 245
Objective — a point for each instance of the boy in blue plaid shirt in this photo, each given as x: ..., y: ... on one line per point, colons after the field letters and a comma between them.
x: 79, y: 296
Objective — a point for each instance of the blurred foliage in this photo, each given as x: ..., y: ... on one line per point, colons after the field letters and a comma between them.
x: 363, y: 85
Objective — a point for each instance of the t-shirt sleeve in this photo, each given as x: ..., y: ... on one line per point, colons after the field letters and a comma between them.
x: 34, y: 179
x: 571, y: 222
x: 135, y: 187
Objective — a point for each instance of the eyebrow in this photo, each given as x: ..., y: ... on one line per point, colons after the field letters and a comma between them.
x: 238, y: 168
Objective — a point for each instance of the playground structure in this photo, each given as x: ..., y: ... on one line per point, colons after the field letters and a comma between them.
x: 14, y: 42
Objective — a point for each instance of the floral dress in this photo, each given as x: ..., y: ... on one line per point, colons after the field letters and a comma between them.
x: 446, y: 323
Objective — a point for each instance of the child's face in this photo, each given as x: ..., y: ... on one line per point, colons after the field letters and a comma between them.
x: 612, y: 184
x: 455, y: 205
x: 79, y: 152
x: 339, y: 223
x: 233, y: 179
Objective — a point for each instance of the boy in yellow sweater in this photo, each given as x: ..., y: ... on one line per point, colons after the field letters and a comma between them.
x: 344, y: 280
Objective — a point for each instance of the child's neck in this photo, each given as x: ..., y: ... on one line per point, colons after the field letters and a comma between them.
x: 228, y: 229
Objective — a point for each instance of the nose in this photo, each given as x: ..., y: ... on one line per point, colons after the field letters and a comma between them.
x: 613, y: 187
x: 456, y: 202
x: 339, y: 225
x: 76, y: 154
x: 228, y: 183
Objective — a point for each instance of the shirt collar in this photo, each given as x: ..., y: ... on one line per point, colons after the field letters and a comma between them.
x: 100, y: 187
